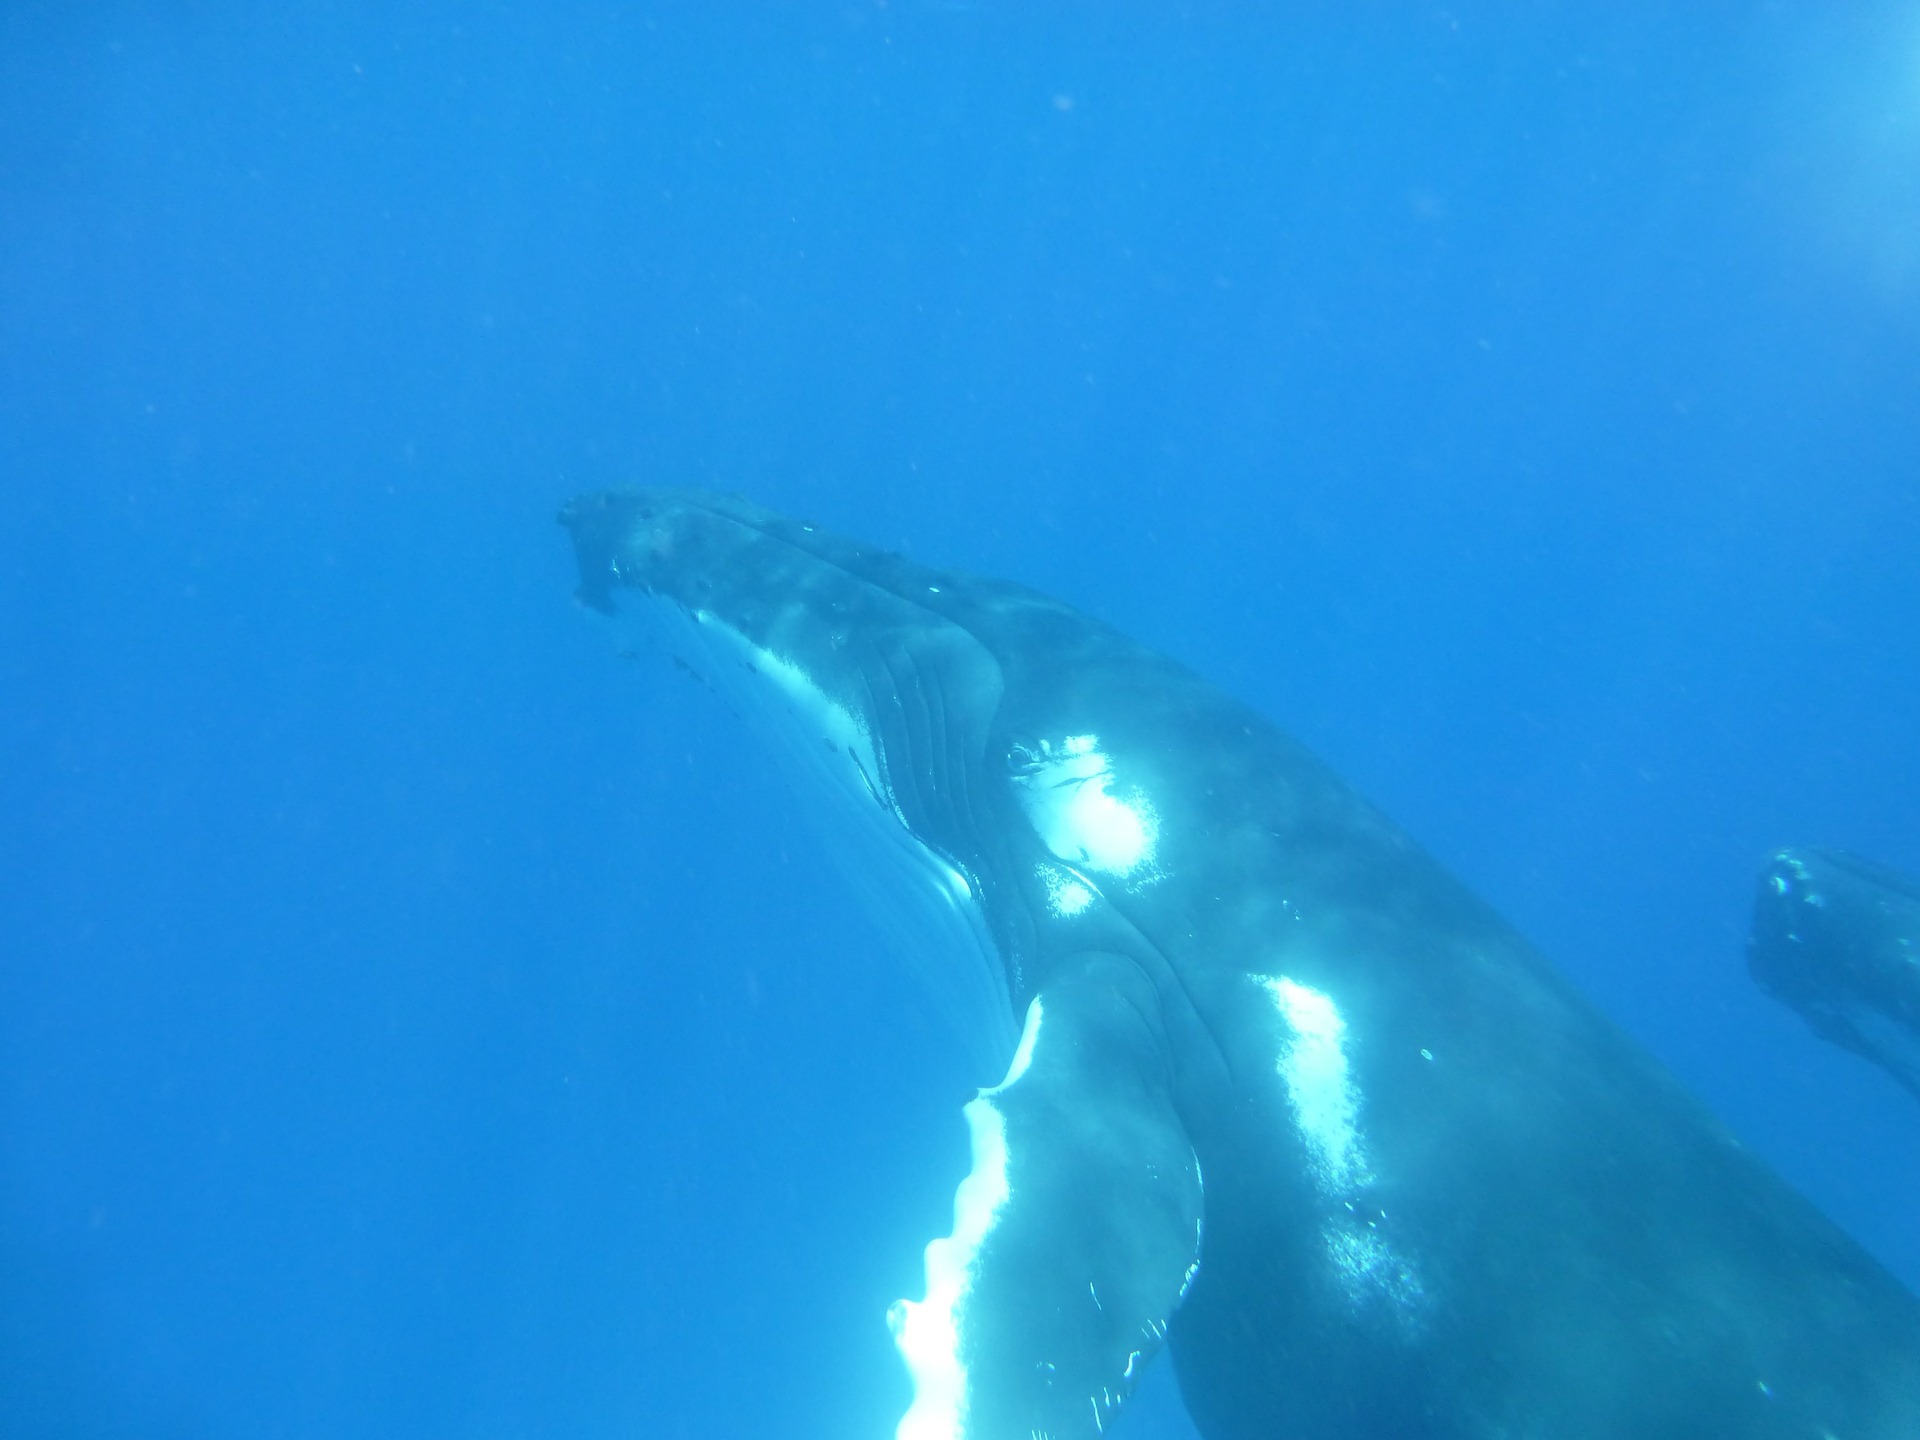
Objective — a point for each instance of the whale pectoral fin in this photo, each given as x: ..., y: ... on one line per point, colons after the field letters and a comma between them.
x: 1075, y: 1235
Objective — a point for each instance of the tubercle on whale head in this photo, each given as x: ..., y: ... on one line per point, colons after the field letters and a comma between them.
x: 701, y: 550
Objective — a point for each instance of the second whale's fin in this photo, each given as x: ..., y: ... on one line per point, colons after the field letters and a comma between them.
x: 1076, y: 1234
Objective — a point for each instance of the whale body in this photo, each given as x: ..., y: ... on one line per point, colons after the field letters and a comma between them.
x: 1270, y: 1089
x: 1837, y: 938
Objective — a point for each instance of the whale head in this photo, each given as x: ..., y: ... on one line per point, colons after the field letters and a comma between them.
x: 952, y: 726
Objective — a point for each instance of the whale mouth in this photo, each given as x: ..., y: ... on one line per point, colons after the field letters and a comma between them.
x: 880, y: 706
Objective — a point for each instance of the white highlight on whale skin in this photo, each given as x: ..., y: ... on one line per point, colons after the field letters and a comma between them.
x: 1326, y: 1108
x: 840, y: 728
x: 927, y: 1332
x: 1067, y: 895
x: 1067, y: 796
x: 1314, y: 1065
x: 1023, y: 1056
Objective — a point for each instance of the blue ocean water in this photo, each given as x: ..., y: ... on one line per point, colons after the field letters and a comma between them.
x: 416, y: 1021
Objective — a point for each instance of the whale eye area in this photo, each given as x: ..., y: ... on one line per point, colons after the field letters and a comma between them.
x: 1025, y: 756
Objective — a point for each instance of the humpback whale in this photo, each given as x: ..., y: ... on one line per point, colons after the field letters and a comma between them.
x: 1270, y: 1089
x: 1837, y: 938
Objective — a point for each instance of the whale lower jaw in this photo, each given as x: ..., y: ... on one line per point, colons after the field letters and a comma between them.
x: 925, y: 905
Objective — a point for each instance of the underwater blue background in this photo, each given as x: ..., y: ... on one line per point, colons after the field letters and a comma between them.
x: 416, y: 1021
